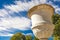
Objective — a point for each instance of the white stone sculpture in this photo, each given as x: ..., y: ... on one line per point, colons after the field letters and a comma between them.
x: 41, y: 17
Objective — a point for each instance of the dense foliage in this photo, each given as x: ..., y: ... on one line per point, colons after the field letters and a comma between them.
x: 56, y: 22
x: 28, y: 37
x: 20, y: 36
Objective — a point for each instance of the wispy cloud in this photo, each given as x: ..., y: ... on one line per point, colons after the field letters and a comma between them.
x: 43, y: 1
x: 56, y: 7
x: 6, y: 34
x: 25, y: 6
x: 18, y: 23
x: 3, y: 12
x: 56, y: 0
x: 28, y: 34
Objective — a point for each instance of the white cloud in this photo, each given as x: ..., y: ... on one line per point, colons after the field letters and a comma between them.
x: 43, y: 1
x: 18, y: 23
x: 6, y: 34
x: 56, y: 7
x: 56, y: 0
x: 57, y: 10
x: 29, y: 34
x: 23, y: 6
x: 1, y: 28
x: 19, y: 6
x: 3, y: 12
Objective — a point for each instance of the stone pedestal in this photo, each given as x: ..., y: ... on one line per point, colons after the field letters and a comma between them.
x: 41, y: 17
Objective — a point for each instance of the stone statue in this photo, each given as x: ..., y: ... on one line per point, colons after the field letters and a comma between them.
x: 41, y: 17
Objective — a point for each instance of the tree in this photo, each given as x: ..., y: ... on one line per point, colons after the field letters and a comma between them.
x: 56, y: 22
x: 18, y: 36
x: 36, y: 38
x: 55, y: 18
x: 28, y: 37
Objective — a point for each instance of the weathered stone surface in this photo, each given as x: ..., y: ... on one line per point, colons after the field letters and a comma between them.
x: 41, y: 15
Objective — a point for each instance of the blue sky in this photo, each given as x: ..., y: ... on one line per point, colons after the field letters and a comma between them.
x: 13, y: 16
